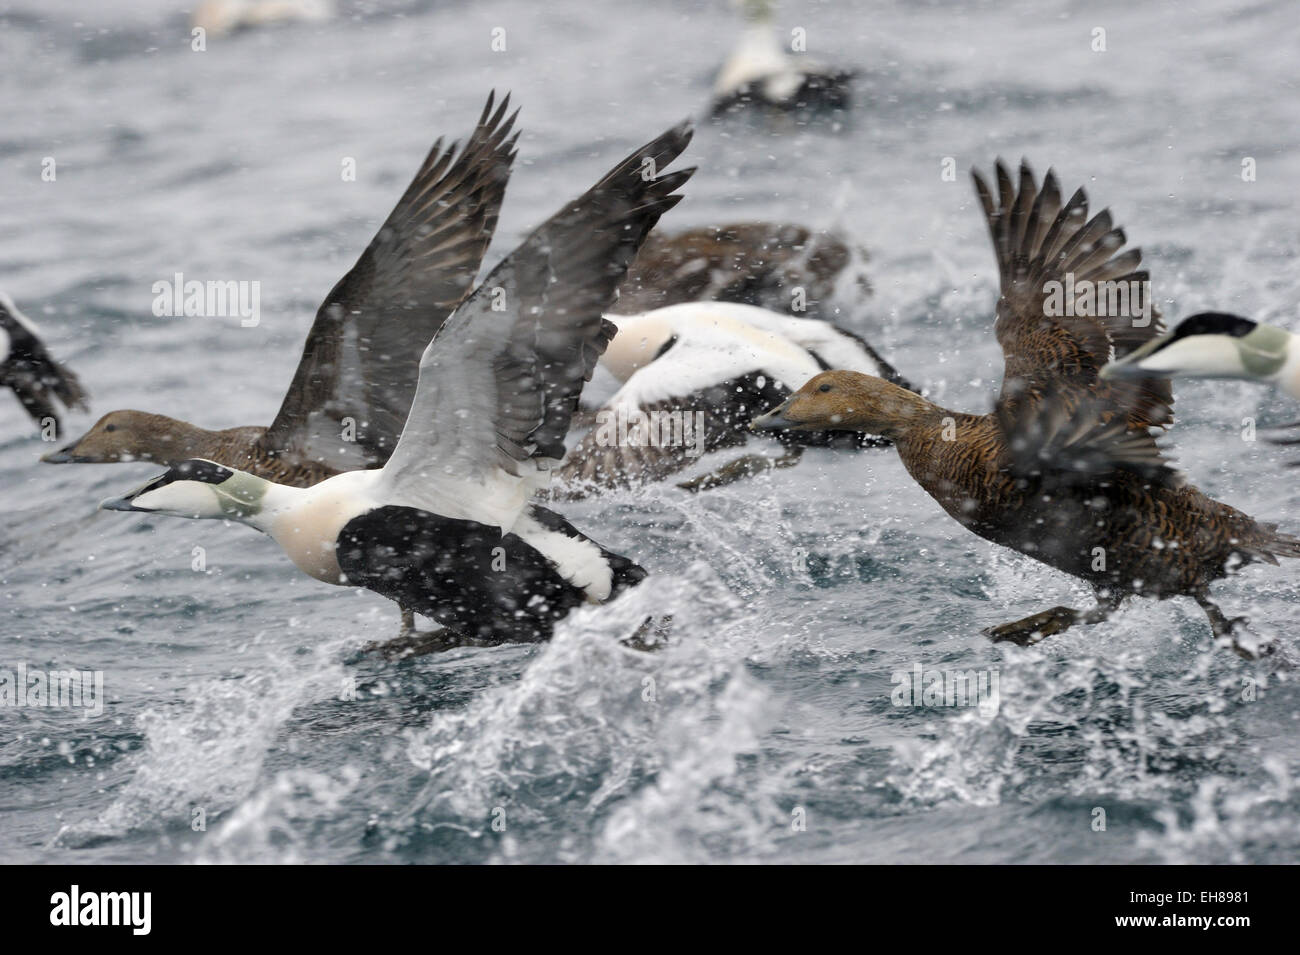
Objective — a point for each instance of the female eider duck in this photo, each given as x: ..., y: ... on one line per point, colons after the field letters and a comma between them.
x: 772, y: 265
x: 1219, y: 345
x: 357, y: 361
x: 693, y: 377
x: 447, y: 526
x: 759, y: 72
x: 1066, y: 468
x: 40, y: 383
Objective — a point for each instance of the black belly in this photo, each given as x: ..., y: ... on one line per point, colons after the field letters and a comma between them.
x: 466, y: 575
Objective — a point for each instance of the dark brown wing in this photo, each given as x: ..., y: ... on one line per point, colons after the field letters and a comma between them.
x: 361, y: 357
x: 1056, y: 444
x: 1045, y: 248
x: 39, y: 381
x: 755, y: 263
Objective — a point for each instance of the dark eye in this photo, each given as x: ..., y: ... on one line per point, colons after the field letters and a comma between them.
x: 824, y: 388
x: 110, y: 427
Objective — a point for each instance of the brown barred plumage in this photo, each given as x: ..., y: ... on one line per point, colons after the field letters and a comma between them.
x: 1065, y: 469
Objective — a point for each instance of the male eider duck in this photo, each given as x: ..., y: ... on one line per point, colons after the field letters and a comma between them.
x: 1066, y: 468
x: 693, y: 377
x: 40, y: 383
x: 1220, y: 345
x: 447, y: 526
x: 760, y: 73
x: 357, y: 361
x: 772, y: 265
x: 221, y: 17
x: 1217, y: 345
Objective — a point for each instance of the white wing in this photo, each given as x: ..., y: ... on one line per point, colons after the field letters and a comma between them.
x: 501, y: 379
x: 696, y: 396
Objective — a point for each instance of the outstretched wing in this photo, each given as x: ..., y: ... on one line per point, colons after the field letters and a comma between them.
x: 359, y: 362
x: 1055, y: 443
x: 27, y: 367
x: 1051, y: 257
x: 500, y: 382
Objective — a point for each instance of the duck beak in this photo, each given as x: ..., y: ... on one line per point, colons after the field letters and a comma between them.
x: 1130, y: 366
x: 774, y: 420
x: 61, y: 456
x: 121, y: 504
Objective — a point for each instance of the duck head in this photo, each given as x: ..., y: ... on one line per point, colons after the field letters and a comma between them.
x: 126, y: 436
x: 1211, y: 345
x: 197, y: 489
x: 845, y: 401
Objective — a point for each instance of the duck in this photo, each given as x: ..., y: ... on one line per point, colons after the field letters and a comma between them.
x: 774, y: 265
x: 223, y: 17
x: 448, y: 526
x: 1217, y: 345
x: 692, y: 378
x: 1066, y: 469
x: 760, y: 73
x: 40, y: 383
x: 1220, y: 345
x: 349, y: 396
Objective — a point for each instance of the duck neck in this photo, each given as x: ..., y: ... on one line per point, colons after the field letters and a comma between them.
x: 896, y: 413
x: 273, y: 502
x: 171, y: 441
x: 1289, y: 376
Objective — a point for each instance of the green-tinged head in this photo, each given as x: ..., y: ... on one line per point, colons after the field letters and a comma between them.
x: 196, y: 489
x: 1209, y: 345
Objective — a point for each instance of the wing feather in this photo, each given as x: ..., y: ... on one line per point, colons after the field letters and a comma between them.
x: 500, y: 381
x: 423, y: 260
x: 1038, y: 240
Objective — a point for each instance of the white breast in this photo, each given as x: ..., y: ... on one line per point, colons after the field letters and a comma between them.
x: 307, y: 524
x: 1289, y: 377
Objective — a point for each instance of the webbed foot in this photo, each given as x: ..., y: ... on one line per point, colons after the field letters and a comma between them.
x: 418, y: 643
x: 742, y: 467
x: 652, y: 635
x: 1030, y: 630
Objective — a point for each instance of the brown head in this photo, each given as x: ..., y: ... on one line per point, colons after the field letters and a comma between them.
x: 132, y: 436
x: 846, y: 401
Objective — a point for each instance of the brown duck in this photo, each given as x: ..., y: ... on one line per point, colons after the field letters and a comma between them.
x: 1065, y: 468
x: 348, y: 400
x: 751, y: 263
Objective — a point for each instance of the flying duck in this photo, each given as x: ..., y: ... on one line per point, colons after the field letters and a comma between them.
x: 760, y: 73
x: 1217, y: 345
x: 447, y: 526
x: 356, y: 365
x: 693, y: 377
x: 39, y: 382
x: 1220, y: 345
x: 1065, y: 468
x: 772, y: 265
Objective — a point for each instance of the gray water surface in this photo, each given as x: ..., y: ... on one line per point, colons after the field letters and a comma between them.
x: 766, y: 732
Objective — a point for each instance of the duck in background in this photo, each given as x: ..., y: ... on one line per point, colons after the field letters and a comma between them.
x: 39, y: 382
x: 693, y: 377
x: 1066, y: 468
x: 1219, y: 345
x: 760, y: 73
x: 447, y: 526
x: 773, y: 265
x: 222, y: 17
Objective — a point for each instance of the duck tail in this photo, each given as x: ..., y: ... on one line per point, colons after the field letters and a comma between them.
x: 1276, y: 544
